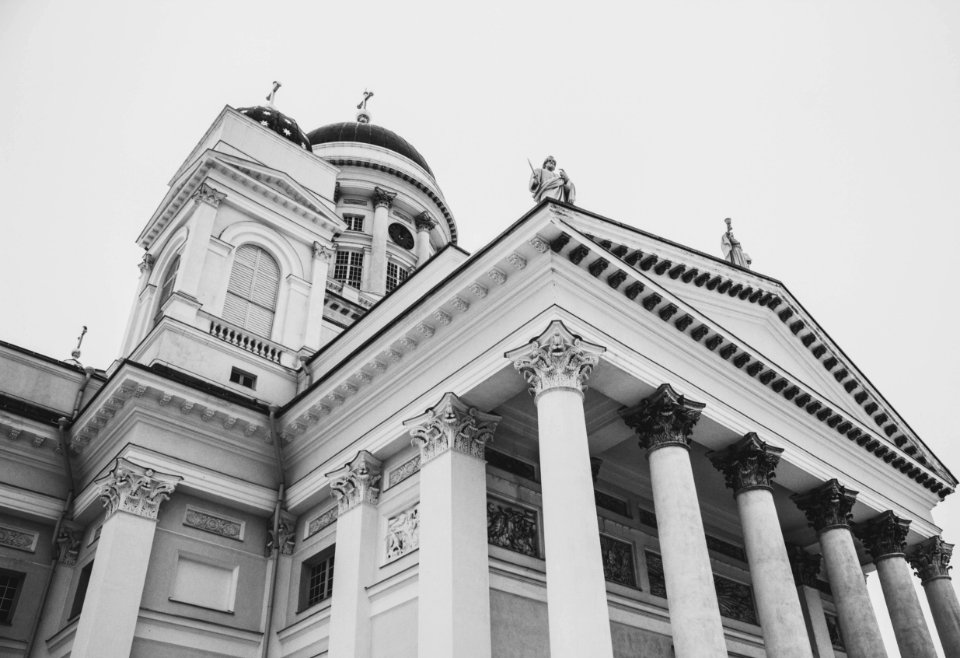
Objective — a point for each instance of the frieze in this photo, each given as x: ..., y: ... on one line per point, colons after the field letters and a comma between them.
x: 18, y: 539
x: 403, y: 532
x: 403, y: 471
x: 213, y: 523
x: 618, y: 564
x: 324, y: 520
x: 513, y: 527
x: 735, y: 599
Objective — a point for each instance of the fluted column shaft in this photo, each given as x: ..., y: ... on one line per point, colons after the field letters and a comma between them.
x: 663, y: 423
x: 454, y: 577
x: 132, y: 495
x: 931, y: 559
x: 885, y: 538
x: 828, y: 510
x: 556, y: 365
x: 356, y: 486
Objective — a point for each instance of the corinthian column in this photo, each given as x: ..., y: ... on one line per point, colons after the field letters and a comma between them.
x: 425, y: 224
x: 931, y: 559
x: 828, y: 510
x: 885, y: 537
x: 749, y: 467
x: 454, y: 579
x: 356, y: 487
x: 382, y: 200
x: 556, y: 366
x: 132, y: 495
x: 663, y: 423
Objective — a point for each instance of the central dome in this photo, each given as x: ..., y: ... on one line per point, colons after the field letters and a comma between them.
x: 367, y: 133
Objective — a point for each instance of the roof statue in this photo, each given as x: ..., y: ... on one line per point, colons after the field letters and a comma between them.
x: 273, y: 92
x: 363, y: 116
x: 732, y: 251
x: 548, y: 182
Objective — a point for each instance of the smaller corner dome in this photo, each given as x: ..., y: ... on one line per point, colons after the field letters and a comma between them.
x: 278, y: 122
x: 368, y: 133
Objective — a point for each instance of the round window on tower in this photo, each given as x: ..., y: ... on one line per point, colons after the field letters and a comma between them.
x: 401, y: 235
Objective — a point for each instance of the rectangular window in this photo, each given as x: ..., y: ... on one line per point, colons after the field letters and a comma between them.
x: 238, y: 376
x: 11, y: 583
x: 354, y: 222
x: 348, y: 268
x: 82, y: 582
x: 316, y: 578
x: 395, y: 275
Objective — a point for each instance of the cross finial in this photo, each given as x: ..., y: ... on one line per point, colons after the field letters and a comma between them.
x: 76, y: 353
x: 273, y: 92
x: 363, y: 115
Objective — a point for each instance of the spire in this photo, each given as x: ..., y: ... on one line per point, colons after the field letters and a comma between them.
x: 732, y: 250
x: 363, y: 114
x: 273, y: 93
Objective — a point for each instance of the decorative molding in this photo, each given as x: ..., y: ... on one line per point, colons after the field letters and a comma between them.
x: 383, y: 198
x: 518, y: 261
x: 404, y: 471
x: 513, y: 527
x: 828, y: 506
x: 479, y: 291
x: 322, y: 253
x: 69, y: 541
x: 324, y: 520
x: 497, y: 276
x: 805, y: 566
x: 356, y: 482
x: 206, y: 194
x: 18, y: 538
x: 285, y: 539
x: 442, y: 317
x: 425, y: 330
x: 540, y: 244
x: 884, y: 535
x: 666, y: 418
x: 424, y: 222
x: 452, y: 425
x: 146, y: 263
x: 618, y: 566
x: 748, y: 464
x: 213, y: 523
x: 557, y: 359
x: 461, y: 304
x: 931, y: 559
x: 403, y: 532
x: 135, y: 489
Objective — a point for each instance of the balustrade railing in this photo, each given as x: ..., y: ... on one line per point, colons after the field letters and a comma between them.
x: 245, y: 340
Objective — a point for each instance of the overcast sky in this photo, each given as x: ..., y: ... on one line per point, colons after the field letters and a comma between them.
x: 828, y: 131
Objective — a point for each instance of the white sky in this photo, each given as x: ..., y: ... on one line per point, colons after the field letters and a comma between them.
x: 828, y: 131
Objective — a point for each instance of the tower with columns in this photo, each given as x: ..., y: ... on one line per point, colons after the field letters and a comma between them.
x: 333, y: 432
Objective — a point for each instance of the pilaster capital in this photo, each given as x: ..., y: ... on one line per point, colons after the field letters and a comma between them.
x: 69, y: 540
x: 884, y: 535
x: 747, y: 464
x: 452, y: 425
x: 557, y: 359
x: 135, y: 489
x: 322, y: 253
x: 146, y: 263
x: 931, y: 559
x: 805, y: 566
x: 285, y: 539
x: 382, y: 197
x: 666, y: 418
x: 208, y: 195
x: 424, y: 222
x: 828, y: 506
x: 357, y: 482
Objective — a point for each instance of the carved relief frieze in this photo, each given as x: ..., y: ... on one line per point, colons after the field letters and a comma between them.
x: 213, y: 523
x: 208, y: 195
x: 513, y: 527
x: 403, y: 532
x: 540, y: 244
x: 618, y: 561
x: 18, y: 538
x: 403, y: 471
x: 557, y: 359
x: 452, y: 425
x: 324, y: 520
x: 135, y: 489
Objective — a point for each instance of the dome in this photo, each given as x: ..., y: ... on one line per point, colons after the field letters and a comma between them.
x: 368, y: 133
x: 278, y: 122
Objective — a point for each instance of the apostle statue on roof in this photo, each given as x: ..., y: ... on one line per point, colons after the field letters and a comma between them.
x: 732, y: 250
x: 548, y: 182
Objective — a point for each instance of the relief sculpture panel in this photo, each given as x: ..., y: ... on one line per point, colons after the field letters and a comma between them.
x: 513, y: 527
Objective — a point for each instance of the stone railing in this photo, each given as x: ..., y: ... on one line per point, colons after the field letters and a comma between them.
x: 334, y: 286
x: 245, y: 340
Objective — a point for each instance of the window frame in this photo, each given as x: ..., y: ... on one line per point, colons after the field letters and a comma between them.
x: 249, y: 300
x: 19, y: 578
x: 80, y: 593
x: 349, y: 268
x: 326, y: 556
x: 237, y: 376
x: 401, y: 275
x: 352, y: 220
x: 169, y: 278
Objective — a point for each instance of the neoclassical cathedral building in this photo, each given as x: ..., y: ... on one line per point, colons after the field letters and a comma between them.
x: 333, y: 432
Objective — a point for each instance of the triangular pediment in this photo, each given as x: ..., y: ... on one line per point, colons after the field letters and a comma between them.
x: 752, y: 322
x: 277, y: 181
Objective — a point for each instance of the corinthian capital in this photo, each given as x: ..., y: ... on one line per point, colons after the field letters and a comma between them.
x: 666, y: 418
x: 135, y: 489
x: 424, y: 222
x: 323, y: 253
x: 556, y: 360
x: 884, y: 535
x: 382, y: 197
x: 805, y: 566
x: 356, y: 482
x: 208, y: 195
x: 748, y: 464
x: 931, y: 559
x: 452, y: 425
x: 827, y: 506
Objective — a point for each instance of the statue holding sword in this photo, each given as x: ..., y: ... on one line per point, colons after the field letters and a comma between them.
x: 550, y: 183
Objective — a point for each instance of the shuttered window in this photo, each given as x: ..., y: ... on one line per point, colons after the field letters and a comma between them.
x: 166, y: 285
x: 252, y: 294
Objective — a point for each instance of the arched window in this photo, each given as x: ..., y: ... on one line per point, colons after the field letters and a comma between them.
x: 166, y: 284
x: 252, y: 294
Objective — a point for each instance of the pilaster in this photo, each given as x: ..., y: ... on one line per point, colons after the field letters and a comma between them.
x: 199, y: 229
x: 322, y: 259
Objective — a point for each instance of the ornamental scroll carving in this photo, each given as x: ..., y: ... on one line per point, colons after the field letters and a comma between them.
x: 557, y: 359
x: 135, y: 489
x: 665, y: 418
x: 69, y: 541
x: 382, y: 197
x: 828, y: 506
x: 931, y: 559
x: 748, y: 464
x: 452, y: 425
x: 884, y: 535
x: 214, y: 524
x: 403, y: 532
x: 21, y: 540
x: 424, y: 222
x: 357, y: 482
x: 208, y: 195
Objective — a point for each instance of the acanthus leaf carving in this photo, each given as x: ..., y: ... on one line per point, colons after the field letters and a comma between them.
x: 884, y: 535
x: 557, y: 359
x: 135, y: 489
x: 828, y: 506
x: 748, y: 464
x: 357, y: 482
x: 665, y: 418
x: 452, y: 425
x: 931, y: 559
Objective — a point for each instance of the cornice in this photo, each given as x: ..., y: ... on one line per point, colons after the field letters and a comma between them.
x: 631, y: 276
x: 30, y: 503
